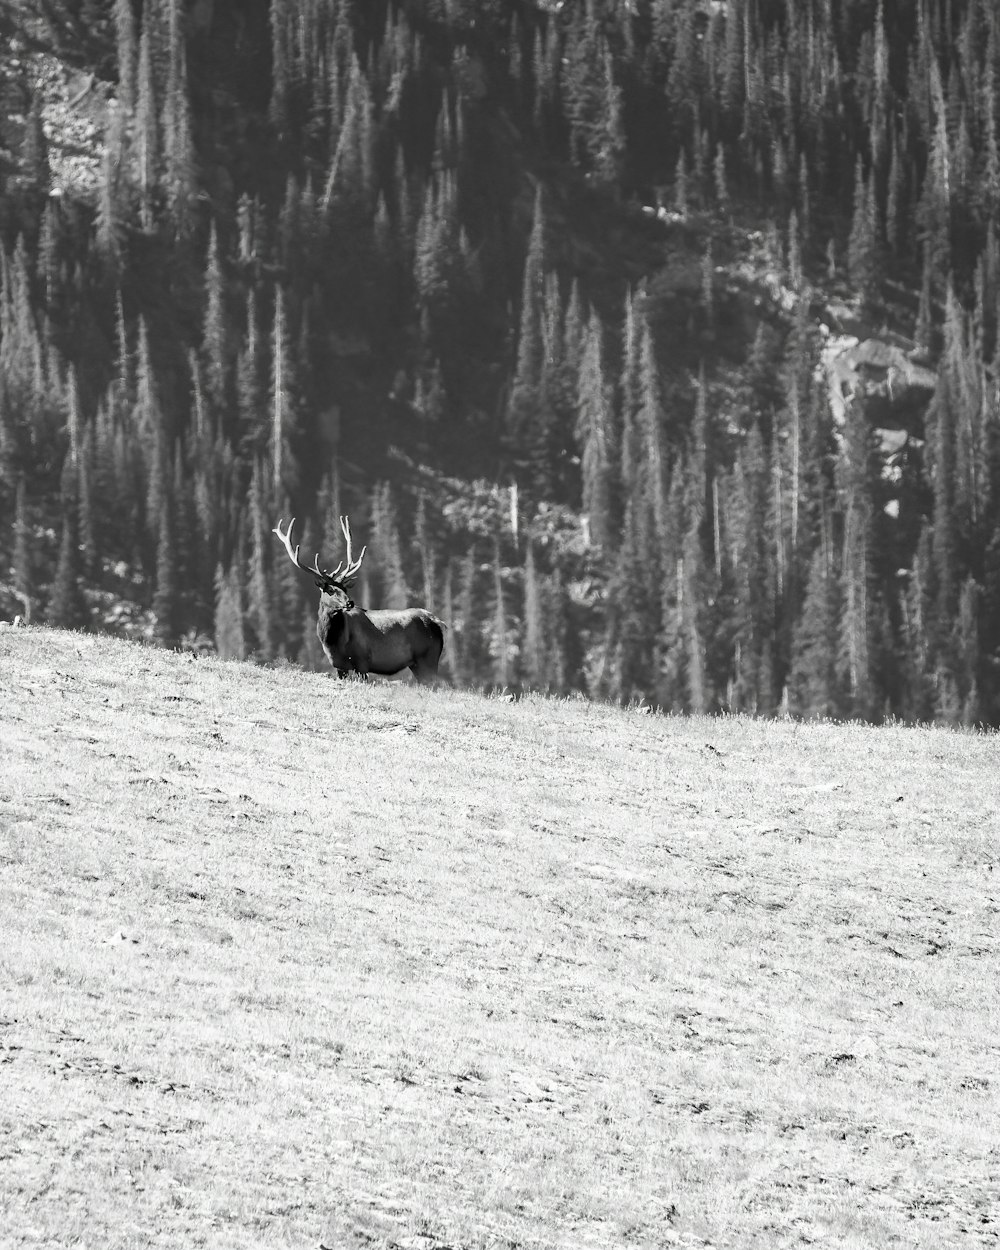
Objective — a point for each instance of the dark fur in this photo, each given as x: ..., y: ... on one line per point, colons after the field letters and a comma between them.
x: 382, y: 641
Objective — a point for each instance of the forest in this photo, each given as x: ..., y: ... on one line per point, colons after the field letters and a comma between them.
x: 554, y: 299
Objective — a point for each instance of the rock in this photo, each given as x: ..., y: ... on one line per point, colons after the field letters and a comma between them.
x: 879, y: 373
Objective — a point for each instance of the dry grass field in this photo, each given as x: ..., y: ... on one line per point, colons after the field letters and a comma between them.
x: 292, y: 962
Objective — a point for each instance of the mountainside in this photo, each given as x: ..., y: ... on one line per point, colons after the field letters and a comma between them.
x: 293, y: 961
x: 651, y: 343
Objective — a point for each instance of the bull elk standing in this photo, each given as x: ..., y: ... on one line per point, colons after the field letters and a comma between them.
x: 380, y: 641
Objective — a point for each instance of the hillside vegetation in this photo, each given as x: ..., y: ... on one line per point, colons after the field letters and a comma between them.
x: 651, y: 343
x: 292, y: 961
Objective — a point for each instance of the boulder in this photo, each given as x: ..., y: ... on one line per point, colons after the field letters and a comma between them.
x: 878, y: 373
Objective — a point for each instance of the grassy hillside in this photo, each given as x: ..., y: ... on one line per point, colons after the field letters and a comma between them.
x: 286, y: 961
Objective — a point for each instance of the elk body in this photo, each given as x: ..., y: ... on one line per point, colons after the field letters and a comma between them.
x: 381, y: 641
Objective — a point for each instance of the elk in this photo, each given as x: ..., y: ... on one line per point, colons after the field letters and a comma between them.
x: 382, y: 640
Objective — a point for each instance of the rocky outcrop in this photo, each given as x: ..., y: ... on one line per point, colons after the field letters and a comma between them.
x: 880, y: 374
x: 893, y: 391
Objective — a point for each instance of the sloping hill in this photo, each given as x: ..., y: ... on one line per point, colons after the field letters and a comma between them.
x: 291, y: 961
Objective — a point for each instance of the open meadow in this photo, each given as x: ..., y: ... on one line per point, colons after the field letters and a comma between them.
x: 293, y: 962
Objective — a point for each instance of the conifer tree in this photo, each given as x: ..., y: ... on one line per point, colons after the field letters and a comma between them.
x: 472, y: 660
x: 631, y: 434
x: 178, y: 148
x: 67, y: 607
x: 501, y: 634
x: 863, y: 249
x: 107, y: 221
x: 248, y: 383
x: 284, y: 473
x: 394, y: 591
x: 859, y: 602
x: 697, y: 588
x: 753, y: 626
x: 260, y: 611
x: 941, y: 422
x: 534, y: 660
x: 812, y: 682
x: 23, y: 565
x: 147, y: 138
x: 564, y: 667
x: 88, y: 523
x: 37, y: 174
x: 350, y: 181
x: 595, y: 432
x: 522, y: 409
x: 425, y: 552
x: 593, y: 100
x: 967, y: 650
x: 652, y: 479
x: 230, y: 639
x: 127, y: 53
x: 278, y: 110
x: 294, y: 602
x: 165, y: 613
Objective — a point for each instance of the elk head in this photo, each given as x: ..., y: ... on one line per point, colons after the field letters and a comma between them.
x: 334, y: 583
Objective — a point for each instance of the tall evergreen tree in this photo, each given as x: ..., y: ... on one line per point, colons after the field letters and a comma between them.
x: 165, y: 595
x: 230, y: 638
x: 595, y: 432
x: 812, y: 681
x: 67, y: 608
x: 23, y: 564
x: 522, y: 409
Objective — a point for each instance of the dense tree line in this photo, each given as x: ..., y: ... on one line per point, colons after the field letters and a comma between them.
x: 477, y: 272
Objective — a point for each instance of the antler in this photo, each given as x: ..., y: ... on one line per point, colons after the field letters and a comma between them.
x: 350, y: 573
x: 286, y: 541
x: 345, y: 578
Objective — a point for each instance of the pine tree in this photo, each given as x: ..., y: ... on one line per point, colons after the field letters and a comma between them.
x: 593, y: 101
x: 651, y: 418
x: 230, y: 639
x: 165, y: 613
x: 23, y: 566
x: 631, y: 434
x: 280, y: 69
x: 249, y: 399
x: 284, y: 472
x: 812, y: 682
x: 523, y: 407
x: 501, y: 634
x: 534, y: 660
x: 178, y: 146
x: 351, y: 179
x: 36, y: 172
x: 697, y: 587
x: 67, y: 607
x: 595, y: 433
x: 394, y: 591
x: 147, y: 139
x: 260, y: 611
x: 88, y: 523
x: 108, y: 224
x: 753, y: 626
x: 565, y: 662
x: 721, y: 185
x: 856, y: 667
x: 864, y: 260
x: 127, y: 53
x: 941, y: 425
